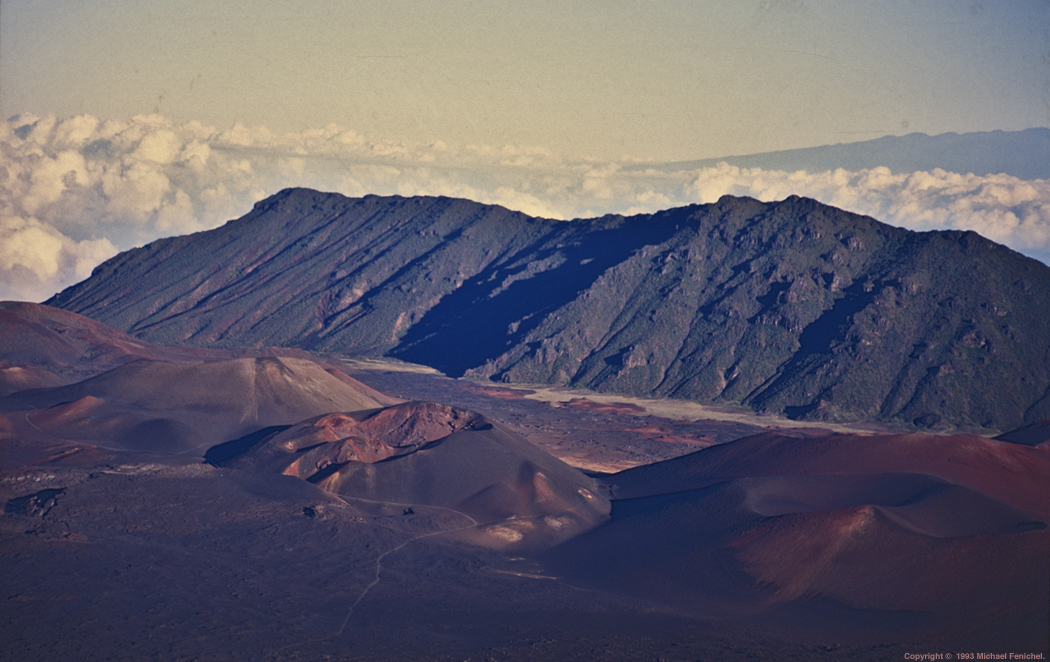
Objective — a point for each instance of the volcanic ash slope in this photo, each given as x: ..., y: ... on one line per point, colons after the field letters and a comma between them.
x: 39, y: 340
x: 864, y: 538
x: 415, y: 454
x: 169, y: 408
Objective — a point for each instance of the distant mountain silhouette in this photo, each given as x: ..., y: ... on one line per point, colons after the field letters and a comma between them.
x: 1023, y: 154
x: 792, y: 307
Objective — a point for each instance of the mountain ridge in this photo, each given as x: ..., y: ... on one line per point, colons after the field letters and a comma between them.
x: 791, y: 307
x: 1023, y: 154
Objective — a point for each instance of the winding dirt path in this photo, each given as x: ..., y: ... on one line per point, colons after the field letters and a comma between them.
x: 379, y: 562
x: 379, y: 559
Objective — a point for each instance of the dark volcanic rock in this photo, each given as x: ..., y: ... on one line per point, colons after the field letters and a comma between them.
x: 1035, y: 434
x: 791, y: 306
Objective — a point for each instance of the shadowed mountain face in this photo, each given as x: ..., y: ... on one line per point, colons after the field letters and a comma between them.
x: 791, y: 307
x: 1036, y: 434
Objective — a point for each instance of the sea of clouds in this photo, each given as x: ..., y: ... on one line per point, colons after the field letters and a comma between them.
x: 75, y: 191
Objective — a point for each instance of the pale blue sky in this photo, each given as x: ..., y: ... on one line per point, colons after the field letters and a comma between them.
x: 128, y: 120
x: 667, y: 80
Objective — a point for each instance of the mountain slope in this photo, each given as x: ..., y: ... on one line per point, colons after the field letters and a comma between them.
x: 1023, y: 154
x: 904, y: 533
x: 790, y: 306
x: 423, y: 453
x: 171, y: 408
x: 60, y: 347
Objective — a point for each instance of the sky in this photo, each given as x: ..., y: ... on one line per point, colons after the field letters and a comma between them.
x: 127, y: 121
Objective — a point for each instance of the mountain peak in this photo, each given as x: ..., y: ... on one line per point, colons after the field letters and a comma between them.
x: 793, y: 307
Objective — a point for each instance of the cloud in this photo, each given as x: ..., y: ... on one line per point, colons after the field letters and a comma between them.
x: 1004, y: 209
x: 35, y: 256
x: 74, y: 191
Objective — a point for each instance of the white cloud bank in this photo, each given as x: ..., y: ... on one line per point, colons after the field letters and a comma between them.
x: 75, y: 191
x: 1005, y: 209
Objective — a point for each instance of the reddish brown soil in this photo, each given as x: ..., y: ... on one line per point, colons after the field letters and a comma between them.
x: 926, y: 538
x: 605, y: 407
x: 171, y: 408
x: 836, y: 547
